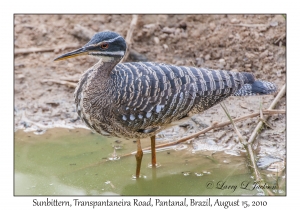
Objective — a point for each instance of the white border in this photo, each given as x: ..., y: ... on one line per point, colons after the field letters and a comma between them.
x: 8, y: 201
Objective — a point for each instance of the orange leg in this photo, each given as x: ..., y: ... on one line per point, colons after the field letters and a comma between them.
x: 153, y: 151
x: 138, y: 157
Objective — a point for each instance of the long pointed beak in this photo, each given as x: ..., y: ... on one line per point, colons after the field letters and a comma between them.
x: 74, y: 53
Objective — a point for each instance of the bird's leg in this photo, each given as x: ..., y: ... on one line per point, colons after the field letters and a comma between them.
x: 153, y: 151
x: 139, y: 157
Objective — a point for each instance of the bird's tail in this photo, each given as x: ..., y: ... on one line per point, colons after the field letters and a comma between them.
x: 255, y: 87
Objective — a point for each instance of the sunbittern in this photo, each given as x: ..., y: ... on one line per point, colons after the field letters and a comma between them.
x: 138, y: 99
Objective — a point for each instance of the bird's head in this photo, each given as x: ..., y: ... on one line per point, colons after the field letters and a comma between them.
x: 102, y: 44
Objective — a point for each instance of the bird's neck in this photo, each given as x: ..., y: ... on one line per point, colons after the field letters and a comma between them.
x: 99, y: 77
x: 103, y: 68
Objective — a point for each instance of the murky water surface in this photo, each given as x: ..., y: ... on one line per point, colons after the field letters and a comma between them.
x: 78, y: 162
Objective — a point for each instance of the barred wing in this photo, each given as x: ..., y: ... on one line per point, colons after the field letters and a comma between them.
x: 148, y: 95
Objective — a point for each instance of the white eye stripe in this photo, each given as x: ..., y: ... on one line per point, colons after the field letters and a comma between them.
x: 111, y: 40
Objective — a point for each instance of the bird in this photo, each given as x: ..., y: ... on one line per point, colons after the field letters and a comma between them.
x: 136, y: 100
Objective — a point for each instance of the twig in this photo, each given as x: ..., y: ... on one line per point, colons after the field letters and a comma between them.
x: 273, y: 111
x: 260, y: 109
x: 273, y: 104
x: 241, y: 138
x: 35, y: 49
x: 69, y: 84
x: 253, y: 163
x: 280, y: 38
x: 262, y: 116
x: 74, y: 78
x: 216, y: 125
x: 129, y: 35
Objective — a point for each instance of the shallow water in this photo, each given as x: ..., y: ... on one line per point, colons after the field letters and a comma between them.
x: 77, y: 162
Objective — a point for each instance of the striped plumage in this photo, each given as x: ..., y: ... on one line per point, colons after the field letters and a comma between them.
x: 138, y: 99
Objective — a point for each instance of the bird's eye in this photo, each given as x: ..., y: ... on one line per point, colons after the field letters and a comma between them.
x: 104, y: 45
